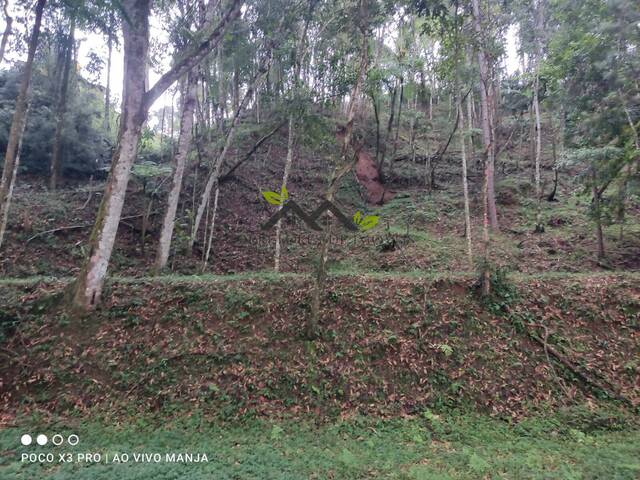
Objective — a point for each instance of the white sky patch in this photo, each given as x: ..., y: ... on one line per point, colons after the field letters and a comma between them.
x: 511, y: 44
x: 98, y: 43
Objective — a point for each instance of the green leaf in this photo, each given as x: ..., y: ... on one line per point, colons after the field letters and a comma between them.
x: 284, y: 194
x: 357, y: 217
x: 272, y: 197
x: 369, y: 222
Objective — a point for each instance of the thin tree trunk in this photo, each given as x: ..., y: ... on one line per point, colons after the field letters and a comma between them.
x: 470, y: 123
x: 285, y: 178
x: 485, y: 270
x: 552, y: 195
x: 398, y: 120
x: 56, y: 159
x: 180, y: 161
x: 536, y: 107
x: 486, y: 100
x: 222, y: 98
x: 18, y: 123
x: 298, y: 59
x: 376, y: 113
x: 107, y: 91
x: 383, y: 151
x: 597, y: 214
x: 465, y: 185
x: 214, y: 174
x: 7, y: 29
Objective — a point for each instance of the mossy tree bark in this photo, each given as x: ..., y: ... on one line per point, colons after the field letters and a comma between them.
x: 136, y: 102
x: 88, y: 287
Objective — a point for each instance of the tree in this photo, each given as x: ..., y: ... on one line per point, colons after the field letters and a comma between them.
x: 180, y: 161
x: 539, y: 29
x: 347, y: 163
x: 56, y: 160
x: 12, y: 154
x: 299, y: 52
x: 592, y: 63
x: 487, y: 105
x: 7, y: 29
x: 136, y: 102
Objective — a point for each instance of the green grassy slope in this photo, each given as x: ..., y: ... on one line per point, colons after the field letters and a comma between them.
x: 574, y: 445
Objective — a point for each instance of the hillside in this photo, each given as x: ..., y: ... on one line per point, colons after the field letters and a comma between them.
x: 391, y: 344
x: 307, y: 239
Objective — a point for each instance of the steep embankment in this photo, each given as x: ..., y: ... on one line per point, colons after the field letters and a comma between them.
x: 390, y: 345
x: 368, y: 176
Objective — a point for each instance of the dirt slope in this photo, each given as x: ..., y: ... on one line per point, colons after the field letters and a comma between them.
x: 368, y: 176
x: 391, y: 345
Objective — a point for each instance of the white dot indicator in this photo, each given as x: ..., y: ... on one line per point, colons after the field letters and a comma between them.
x: 25, y: 439
x: 73, y: 439
x: 57, y: 439
x: 42, y: 439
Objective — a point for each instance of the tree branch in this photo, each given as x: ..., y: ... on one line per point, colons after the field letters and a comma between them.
x: 257, y: 145
x: 193, y: 57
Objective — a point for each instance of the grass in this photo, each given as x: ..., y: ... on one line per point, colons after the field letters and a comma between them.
x: 425, y: 447
x: 338, y: 272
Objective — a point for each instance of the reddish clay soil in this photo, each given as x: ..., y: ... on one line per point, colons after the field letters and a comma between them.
x: 368, y: 176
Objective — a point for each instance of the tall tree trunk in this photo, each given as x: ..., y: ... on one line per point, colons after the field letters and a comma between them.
x: 398, y: 120
x: 376, y: 113
x: 285, y: 178
x: 552, y: 196
x: 222, y: 94
x: 470, y: 123
x: 88, y: 286
x: 180, y: 161
x: 465, y: 185
x: 487, y: 114
x: 135, y: 106
x: 299, y: 54
x: 56, y: 158
x: 539, y: 228
x: 536, y: 107
x: 597, y: 214
x: 107, y: 90
x: 392, y: 111
x: 18, y: 123
x: 7, y: 29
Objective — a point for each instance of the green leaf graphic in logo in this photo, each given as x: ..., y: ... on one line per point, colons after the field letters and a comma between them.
x: 275, y: 198
x: 365, y: 222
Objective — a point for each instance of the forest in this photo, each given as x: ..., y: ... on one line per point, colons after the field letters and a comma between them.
x: 341, y: 239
